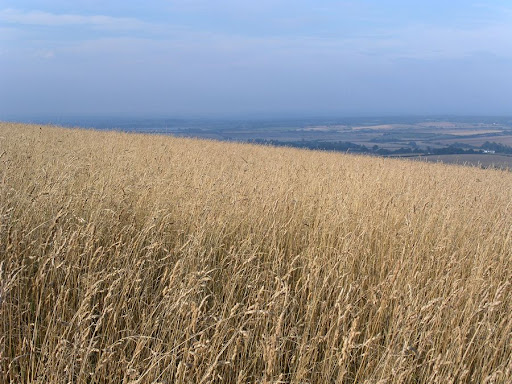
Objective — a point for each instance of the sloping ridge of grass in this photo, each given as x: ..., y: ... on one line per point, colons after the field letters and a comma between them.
x: 130, y: 258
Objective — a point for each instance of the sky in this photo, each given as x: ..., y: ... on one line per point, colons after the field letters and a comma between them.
x: 224, y: 58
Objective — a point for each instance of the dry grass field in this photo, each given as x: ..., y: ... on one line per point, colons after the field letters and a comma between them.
x: 130, y: 258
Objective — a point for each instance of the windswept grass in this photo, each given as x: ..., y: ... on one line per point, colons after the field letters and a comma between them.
x: 144, y: 259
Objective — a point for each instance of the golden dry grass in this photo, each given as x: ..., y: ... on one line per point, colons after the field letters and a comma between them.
x: 145, y: 259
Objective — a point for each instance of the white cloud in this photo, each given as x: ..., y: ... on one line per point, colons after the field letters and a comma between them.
x: 416, y: 41
x: 14, y: 16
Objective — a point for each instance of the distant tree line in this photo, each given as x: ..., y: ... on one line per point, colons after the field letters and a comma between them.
x: 347, y: 146
x: 497, y: 147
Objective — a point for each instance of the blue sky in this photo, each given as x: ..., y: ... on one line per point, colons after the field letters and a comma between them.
x: 257, y: 58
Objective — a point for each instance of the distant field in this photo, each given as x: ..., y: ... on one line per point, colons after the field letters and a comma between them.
x: 388, y: 133
x: 440, y: 124
x: 376, y: 127
x: 391, y: 136
x: 129, y: 258
x: 477, y: 141
x: 463, y: 132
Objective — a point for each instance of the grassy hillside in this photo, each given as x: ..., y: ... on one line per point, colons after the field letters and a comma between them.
x: 146, y: 259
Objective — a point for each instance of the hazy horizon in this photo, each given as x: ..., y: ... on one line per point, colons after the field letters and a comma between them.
x: 270, y: 59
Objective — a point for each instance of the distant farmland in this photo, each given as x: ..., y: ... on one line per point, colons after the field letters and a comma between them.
x: 130, y: 258
x: 388, y: 133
